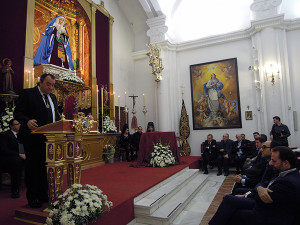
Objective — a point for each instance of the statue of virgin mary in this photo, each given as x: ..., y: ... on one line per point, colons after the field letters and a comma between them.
x: 54, y: 47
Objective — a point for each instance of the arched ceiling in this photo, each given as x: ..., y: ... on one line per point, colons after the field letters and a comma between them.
x: 195, y: 19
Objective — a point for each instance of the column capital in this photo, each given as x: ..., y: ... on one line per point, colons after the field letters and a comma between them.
x: 158, y: 29
x: 263, y: 9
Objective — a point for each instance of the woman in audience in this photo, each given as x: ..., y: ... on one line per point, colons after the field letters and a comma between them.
x: 150, y: 127
x: 125, y: 142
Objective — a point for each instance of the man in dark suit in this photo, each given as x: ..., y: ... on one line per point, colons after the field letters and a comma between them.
x: 224, y: 155
x: 135, y: 140
x: 11, y: 156
x: 240, y: 152
x: 209, y: 152
x: 252, y: 176
x: 276, y: 201
x: 36, y: 107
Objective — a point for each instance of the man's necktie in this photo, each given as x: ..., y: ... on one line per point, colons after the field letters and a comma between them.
x: 49, y: 109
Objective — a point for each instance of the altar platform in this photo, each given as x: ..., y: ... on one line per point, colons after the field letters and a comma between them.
x: 120, y: 182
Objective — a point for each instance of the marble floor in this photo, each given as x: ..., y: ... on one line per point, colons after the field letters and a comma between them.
x: 206, y: 201
x: 195, y: 211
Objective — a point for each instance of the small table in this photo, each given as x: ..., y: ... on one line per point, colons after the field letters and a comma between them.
x: 149, y: 139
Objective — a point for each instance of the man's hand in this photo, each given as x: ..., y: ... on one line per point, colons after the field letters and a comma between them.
x: 23, y: 156
x: 226, y: 156
x: 31, y: 124
x: 240, y: 196
x: 222, y: 150
x: 263, y: 193
x: 248, y: 160
x: 238, y: 178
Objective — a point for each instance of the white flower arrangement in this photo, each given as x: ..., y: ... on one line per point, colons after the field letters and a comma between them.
x: 161, y: 156
x: 7, y: 115
x: 78, y: 205
x: 108, y: 125
x: 70, y: 77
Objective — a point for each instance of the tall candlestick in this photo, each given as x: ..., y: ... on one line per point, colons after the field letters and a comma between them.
x: 119, y: 112
x: 33, y: 77
x: 102, y: 100
x: 125, y: 97
x: 114, y: 105
x: 97, y: 106
x: 144, y: 99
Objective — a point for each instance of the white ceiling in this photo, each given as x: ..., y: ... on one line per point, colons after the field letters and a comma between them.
x: 194, y: 19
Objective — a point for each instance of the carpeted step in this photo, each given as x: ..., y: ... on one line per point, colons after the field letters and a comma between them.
x: 166, y: 212
x: 162, y: 192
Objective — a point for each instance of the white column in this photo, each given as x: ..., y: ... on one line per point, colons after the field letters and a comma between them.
x: 269, y: 40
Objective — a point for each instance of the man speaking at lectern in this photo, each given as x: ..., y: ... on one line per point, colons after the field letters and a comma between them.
x: 36, y: 107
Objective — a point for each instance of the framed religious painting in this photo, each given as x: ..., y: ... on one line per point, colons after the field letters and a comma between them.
x: 215, y: 95
x: 248, y: 115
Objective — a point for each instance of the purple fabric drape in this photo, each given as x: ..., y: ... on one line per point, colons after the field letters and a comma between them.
x: 69, y: 108
x: 13, y: 35
x: 102, y: 51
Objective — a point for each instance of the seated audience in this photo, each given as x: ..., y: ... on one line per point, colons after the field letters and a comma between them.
x: 252, y: 176
x: 150, y: 127
x: 12, y: 156
x: 125, y: 142
x: 224, y: 155
x: 209, y: 154
x: 254, y: 158
x: 275, y: 202
x: 136, y: 137
x: 240, y: 152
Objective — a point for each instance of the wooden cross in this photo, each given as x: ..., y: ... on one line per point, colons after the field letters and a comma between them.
x: 133, y: 99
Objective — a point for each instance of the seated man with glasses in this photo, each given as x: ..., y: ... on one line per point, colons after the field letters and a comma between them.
x: 252, y: 176
x: 12, y: 156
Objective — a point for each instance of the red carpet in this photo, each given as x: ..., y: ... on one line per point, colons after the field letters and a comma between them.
x: 118, y: 181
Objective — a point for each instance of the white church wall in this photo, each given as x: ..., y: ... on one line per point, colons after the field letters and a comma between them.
x: 294, y: 68
x: 144, y: 84
x: 240, y: 50
x: 122, y: 47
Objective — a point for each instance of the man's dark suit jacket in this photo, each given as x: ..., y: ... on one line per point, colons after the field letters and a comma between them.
x: 244, y: 148
x: 286, y: 200
x: 212, y: 147
x: 285, y: 207
x: 31, y: 105
x: 8, y: 144
x: 227, y: 146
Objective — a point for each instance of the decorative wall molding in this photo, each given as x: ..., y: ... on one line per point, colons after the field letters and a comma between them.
x: 277, y: 22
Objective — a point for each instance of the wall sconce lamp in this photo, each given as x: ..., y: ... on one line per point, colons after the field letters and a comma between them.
x: 271, y: 72
x: 155, y: 61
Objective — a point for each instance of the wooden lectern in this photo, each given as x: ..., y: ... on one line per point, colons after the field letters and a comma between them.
x: 64, y: 151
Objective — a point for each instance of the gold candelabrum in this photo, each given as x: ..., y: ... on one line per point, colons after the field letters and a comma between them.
x: 155, y: 61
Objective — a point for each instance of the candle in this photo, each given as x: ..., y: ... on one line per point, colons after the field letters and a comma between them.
x: 114, y: 105
x: 119, y: 108
x: 125, y: 97
x: 33, y: 77
x: 102, y: 100
x: 97, y: 104
x: 144, y: 99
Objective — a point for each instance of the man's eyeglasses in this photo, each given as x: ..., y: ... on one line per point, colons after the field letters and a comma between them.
x: 264, y: 147
x: 15, y: 124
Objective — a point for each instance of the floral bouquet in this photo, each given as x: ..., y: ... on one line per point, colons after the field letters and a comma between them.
x: 6, y: 116
x: 108, y: 150
x: 161, y: 156
x: 78, y: 205
x: 108, y: 125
